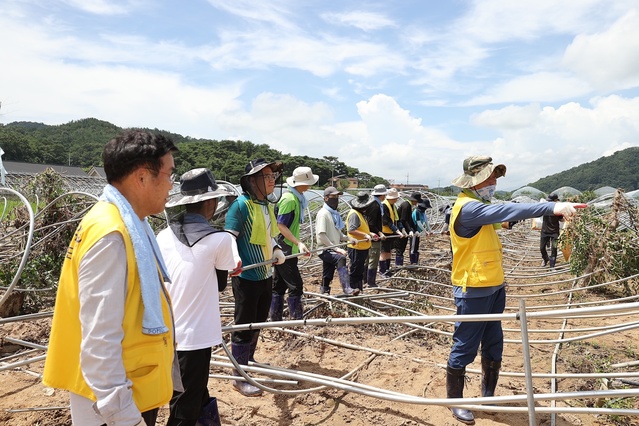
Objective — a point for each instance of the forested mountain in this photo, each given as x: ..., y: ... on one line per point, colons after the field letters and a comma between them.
x: 80, y: 143
x: 619, y: 170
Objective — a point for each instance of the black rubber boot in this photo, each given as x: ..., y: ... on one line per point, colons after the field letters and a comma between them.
x: 399, y: 260
x: 241, y: 353
x: 372, y: 276
x: 295, y: 311
x: 489, y: 376
x: 553, y: 260
x: 277, y: 306
x: 325, y: 289
x: 210, y: 415
x: 455, y: 389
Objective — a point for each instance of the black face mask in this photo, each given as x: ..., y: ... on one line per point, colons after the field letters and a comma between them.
x: 332, y: 203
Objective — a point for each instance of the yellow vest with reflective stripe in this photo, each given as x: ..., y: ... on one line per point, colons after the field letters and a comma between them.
x: 363, y: 227
x: 147, y: 358
x: 477, y: 261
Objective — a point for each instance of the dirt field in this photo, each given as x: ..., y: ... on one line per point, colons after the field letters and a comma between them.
x: 391, y: 357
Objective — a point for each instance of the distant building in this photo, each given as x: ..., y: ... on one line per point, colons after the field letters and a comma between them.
x: 19, y: 174
x: 409, y: 186
x: 352, y: 182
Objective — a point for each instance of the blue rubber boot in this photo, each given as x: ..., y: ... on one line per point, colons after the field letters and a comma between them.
x: 277, y: 306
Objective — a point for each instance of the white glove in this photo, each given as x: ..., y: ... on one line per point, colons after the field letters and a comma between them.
x: 279, y: 257
x: 411, y: 234
x: 567, y: 209
x: 302, y: 247
x: 382, y: 236
x: 353, y: 241
x: 400, y: 233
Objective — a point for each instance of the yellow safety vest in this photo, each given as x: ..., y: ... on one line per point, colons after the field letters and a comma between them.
x: 477, y: 261
x: 363, y: 227
x: 147, y: 358
x: 393, y: 215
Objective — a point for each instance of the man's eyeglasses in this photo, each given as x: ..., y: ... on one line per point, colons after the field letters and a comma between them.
x: 171, y: 176
x: 271, y: 176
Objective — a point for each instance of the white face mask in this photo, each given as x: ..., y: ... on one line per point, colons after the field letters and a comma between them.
x: 486, y: 193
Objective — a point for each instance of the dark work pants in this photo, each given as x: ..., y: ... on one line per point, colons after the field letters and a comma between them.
x: 400, y: 246
x: 469, y: 335
x: 252, y: 303
x: 186, y: 407
x: 287, y: 276
x: 357, y: 267
x: 543, y: 242
x: 331, y: 260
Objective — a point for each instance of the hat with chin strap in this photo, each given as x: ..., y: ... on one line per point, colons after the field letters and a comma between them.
x: 197, y: 185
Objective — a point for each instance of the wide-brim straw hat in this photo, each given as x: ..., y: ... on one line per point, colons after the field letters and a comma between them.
x: 197, y: 185
x: 302, y: 176
x: 477, y: 169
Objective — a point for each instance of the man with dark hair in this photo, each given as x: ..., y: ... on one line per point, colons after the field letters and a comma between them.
x: 111, y: 344
x: 198, y: 258
x: 252, y: 219
x: 477, y: 273
x: 405, y: 212
x: 550, y: 234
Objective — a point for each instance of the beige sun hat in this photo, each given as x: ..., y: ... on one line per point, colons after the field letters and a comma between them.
x: 477, y: 169
x: 392, y: 194
x: 302, y: 176
x: 197, y: 185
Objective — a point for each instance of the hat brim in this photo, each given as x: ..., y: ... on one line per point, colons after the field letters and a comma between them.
x: 356, y: 204
x: 293, y: 183
x: 467, y: 181
x: 182, y: 200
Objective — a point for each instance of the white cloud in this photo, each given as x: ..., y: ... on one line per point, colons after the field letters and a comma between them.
x: 609, y: 60
x: 364, y: 20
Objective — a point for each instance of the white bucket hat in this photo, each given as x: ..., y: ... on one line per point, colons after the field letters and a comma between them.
x: 379, y: 190
x: 302, y: 176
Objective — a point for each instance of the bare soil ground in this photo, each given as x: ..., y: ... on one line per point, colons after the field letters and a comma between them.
x: 411, y: 364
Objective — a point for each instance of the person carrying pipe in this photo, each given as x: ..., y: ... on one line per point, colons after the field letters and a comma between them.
x: 477, y: 273
x: 251, y: 218
x: 291, y: 212
x: 328, y: 231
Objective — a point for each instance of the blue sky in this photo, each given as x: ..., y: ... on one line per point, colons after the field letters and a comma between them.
x: 405, y: 90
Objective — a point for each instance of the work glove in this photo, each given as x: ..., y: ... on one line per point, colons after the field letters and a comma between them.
x: 302, y: 248
x: 341, y: 251
x: 382, y: 236
x: 400, y: 233
x: 411, y: 234
x: 373, y: 237
x: 567, y: 210
x: 353, y: 241
x: 279, y: 257
x: 237, y: 271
